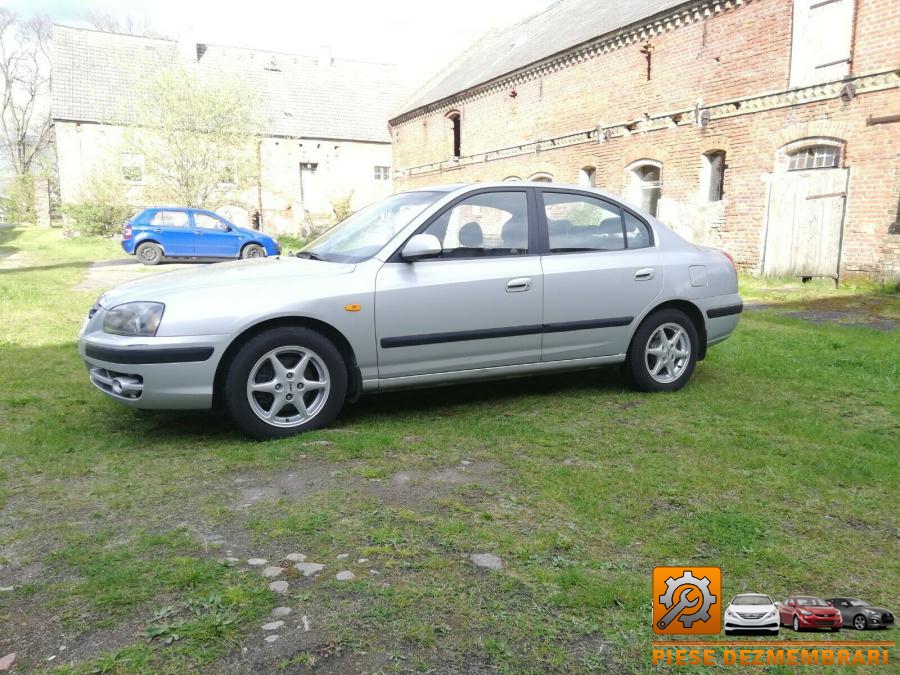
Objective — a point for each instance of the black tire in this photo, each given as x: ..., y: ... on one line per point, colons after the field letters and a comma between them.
x: 235, y: 386
x: 149, y: 253
x: 636, y: 368
x: 865, y: 623
x: 253, y: 251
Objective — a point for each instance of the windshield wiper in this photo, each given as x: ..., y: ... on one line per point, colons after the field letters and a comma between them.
x: 309, y: 255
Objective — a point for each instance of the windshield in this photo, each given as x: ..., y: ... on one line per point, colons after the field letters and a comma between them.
x: 751, y: 600
x: 363, y: 234
x: 811, y: 602
x: 858, y: 603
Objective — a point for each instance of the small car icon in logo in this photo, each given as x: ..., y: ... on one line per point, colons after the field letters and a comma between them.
x: 686, y: 600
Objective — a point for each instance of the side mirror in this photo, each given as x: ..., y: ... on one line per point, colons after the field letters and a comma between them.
x: 227, y: 228
x: 420, y: 247
x: 778, y: 604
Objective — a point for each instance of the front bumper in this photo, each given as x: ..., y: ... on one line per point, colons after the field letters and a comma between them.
x: 820, y: 622
x: 152, y: 373
x: 734, y: 621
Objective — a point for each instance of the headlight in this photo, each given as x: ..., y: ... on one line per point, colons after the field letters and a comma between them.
x: 805, y: 612
x: 134, y: 318
x: 771, y: 614
x: 871, y: 611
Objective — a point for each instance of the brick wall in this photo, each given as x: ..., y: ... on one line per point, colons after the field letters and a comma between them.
x: 739, y: 52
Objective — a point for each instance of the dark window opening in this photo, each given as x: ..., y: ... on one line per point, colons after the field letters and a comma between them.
x: 647, y: 51
x: 714, y: 167
x: 456, y: 125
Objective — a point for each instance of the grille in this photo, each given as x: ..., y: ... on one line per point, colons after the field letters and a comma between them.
x: 825, y: 622
x: 887, y: 617
x: 749, y: 616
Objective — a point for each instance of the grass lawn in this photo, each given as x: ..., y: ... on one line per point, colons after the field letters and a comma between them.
x: 778, y: 463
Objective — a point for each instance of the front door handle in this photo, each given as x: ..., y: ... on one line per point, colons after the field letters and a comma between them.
x: 645, y: 274
x: 518, y: 285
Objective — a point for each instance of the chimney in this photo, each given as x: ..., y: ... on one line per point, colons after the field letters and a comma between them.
x: 324, y: 58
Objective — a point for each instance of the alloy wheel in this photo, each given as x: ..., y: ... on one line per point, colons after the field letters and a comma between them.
x: 859, y: 623
x: 668, y: 353
x: 796, y: 624
x: 288, y: 386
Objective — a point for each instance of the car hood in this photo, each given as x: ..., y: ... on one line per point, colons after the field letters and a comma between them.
x: 752, y: 609
x: 880, y: 610
x: 218, y: 277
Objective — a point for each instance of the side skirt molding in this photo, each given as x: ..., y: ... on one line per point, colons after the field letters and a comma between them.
x: 496, y: 373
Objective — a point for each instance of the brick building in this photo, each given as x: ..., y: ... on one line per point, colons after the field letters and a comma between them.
x: 768, y: 128
x: 322, y: 121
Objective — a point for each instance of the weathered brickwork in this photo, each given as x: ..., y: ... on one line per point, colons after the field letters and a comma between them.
x: 736, y: 53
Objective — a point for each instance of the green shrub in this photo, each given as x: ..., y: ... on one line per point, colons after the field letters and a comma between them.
x: 342, y: 207
x: 103, y: 209
x: 18, y: 201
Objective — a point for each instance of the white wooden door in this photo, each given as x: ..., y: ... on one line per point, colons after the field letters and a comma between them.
x: 805, y: 219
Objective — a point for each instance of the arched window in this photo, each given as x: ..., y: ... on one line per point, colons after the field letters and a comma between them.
x: 512, y: 179
x: 587, y: 176
x: 815, y: 157
x: 712, y: 175
x: 645, y: 184
x: 456, y: 131
x: 541, y: 177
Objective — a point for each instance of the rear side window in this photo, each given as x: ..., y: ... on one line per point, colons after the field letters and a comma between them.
x: 637, y: 232
x: 581, y: 223
x: 170, y: 219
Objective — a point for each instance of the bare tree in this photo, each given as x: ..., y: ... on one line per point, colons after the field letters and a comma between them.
x: 25, y: 80
x: 126, y: 25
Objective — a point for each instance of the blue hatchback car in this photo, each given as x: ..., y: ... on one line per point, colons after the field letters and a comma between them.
x: 167, y: 232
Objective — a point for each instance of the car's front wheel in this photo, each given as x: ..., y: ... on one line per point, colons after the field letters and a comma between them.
x: 796, y: 624
x: 149, y: 253
x: 284, y: 381
x: 859, y: 622
x: 663, y: 352
x: 253, y: 251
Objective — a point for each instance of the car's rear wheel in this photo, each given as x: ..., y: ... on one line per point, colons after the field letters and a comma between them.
x: 663, y: 352
x: 253, y: 251
x: 285, y: 381
x: 149, y: 253
x: 859, y: 622
x: 796, y: 624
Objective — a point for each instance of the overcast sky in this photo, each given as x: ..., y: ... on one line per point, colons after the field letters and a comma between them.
x: 418, y: 35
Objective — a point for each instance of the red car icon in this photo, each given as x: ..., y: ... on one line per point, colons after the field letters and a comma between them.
x: 807, y: 612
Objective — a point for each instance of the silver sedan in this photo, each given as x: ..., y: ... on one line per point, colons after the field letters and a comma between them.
x: 431, y: 286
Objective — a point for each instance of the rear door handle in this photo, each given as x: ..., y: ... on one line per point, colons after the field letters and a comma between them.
x: 645, y: 274
x: 518, y: 285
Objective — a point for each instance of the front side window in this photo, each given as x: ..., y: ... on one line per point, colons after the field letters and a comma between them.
x: 170, y: 219
x: 580, y: 223
x: 816, y: 157
x: 205, y: 222
x: 487, y: 224
x: 367, y: 231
